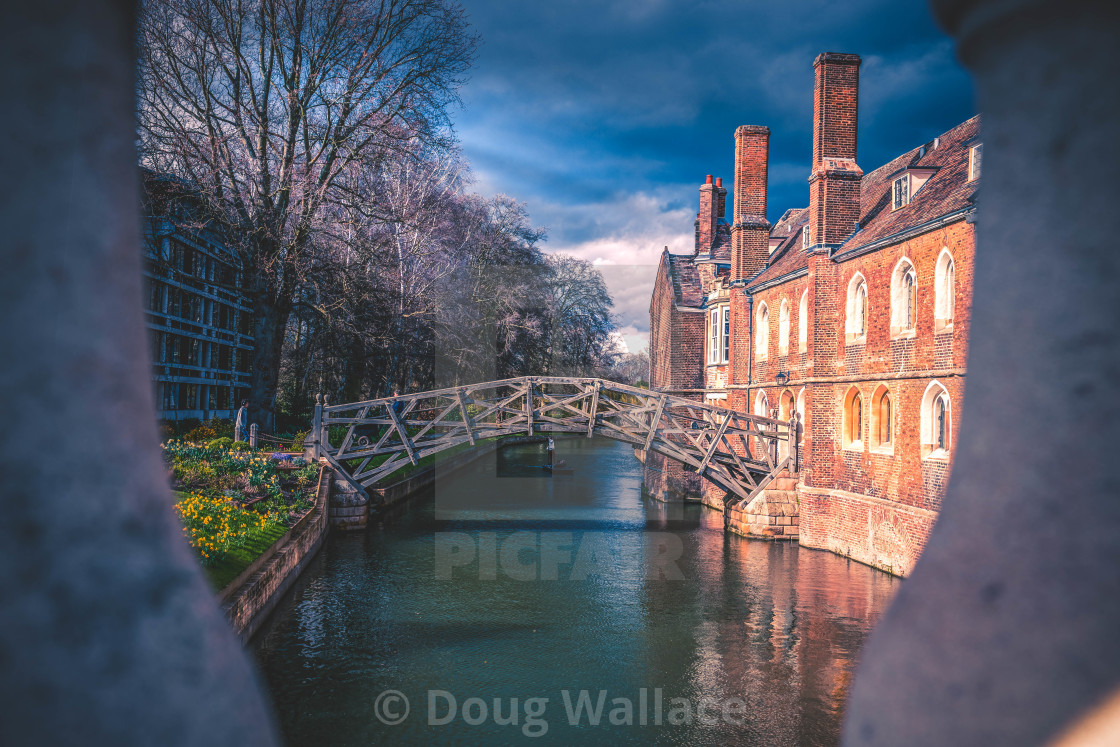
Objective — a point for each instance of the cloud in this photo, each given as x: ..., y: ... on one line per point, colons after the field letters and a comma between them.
x: 604, y: 116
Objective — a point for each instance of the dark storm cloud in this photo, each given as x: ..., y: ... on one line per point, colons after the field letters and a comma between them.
x: 605, y: 116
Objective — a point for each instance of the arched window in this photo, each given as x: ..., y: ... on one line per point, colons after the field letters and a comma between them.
x: 944, y: 291
x: 855, y: 324
x: 882, y: 419
x: 783, y: 328
x: 904, y: 299
x: 762, y: 333
x: 803, y: 323
x: 853, y: 419
x: 937, y: 421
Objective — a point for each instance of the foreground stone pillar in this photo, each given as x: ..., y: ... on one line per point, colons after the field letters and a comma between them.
x: 1009, y: 627
x: 108, y: 633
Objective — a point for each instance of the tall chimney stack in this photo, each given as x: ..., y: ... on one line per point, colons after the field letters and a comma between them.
x: 712, y: 199
x: 750, y: 231
x: 835, y: 180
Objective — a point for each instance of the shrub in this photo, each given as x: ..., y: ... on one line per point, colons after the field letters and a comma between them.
x: 240, y: 445
x: 220, y: 443
x: 298, y: 439
x: 210, y: 430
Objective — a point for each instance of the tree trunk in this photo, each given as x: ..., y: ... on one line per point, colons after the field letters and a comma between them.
x: 110, y: 634
x: 270, y: 323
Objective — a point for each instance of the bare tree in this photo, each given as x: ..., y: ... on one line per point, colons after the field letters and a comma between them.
x: 580, y: 321
x: 269, y: 107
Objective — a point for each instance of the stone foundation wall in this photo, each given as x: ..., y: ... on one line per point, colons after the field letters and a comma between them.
x: 667, y: 480
x: 248, y: 604
x: 881, y: 533
x: 772, y: 514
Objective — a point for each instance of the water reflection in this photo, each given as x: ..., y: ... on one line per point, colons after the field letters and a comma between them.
x: 772, y: 624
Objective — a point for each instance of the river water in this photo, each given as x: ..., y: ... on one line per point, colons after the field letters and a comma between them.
x: 511, y: 607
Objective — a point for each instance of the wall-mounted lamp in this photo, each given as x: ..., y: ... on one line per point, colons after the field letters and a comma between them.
x: 781, y: 378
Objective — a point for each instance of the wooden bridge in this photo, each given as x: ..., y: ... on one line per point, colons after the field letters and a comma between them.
x: 738, y: 451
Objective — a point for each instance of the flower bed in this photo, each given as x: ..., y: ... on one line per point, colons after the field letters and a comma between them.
x: 235, y: 503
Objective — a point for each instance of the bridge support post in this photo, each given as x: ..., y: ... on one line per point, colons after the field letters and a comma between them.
x: 794, y: 444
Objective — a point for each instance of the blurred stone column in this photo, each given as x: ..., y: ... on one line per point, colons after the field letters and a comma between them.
x: 1009, y: 626
x: 108, y: 632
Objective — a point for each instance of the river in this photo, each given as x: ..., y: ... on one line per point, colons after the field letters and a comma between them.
x: 510, y: 607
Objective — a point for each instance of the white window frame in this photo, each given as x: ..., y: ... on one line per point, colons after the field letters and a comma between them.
x: 725, y: 332
x: 762, y: 333
x: 900, y: 200
x: 855, y: 333
x: 713, y: 335
x: 929, y: 430
x: 901, y: 301
x: 944, y: 291
x: 975, y: 165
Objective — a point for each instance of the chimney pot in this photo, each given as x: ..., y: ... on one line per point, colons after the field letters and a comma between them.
x: 709, y: 181
x: 719, y: 181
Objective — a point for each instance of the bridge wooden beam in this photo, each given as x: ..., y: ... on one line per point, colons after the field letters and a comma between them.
x: 466, y: 417
x: 594, y: 410
x: 529, y: 406
x: 715, y: 441
x: 655, y: 422
x: 403, y: 434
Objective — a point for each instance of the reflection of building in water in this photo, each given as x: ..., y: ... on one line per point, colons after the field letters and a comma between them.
x: 852, y: 312
x: 775, y: 624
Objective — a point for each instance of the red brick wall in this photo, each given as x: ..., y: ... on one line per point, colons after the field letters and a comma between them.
x: 675, y: 339
x: 837, y: 477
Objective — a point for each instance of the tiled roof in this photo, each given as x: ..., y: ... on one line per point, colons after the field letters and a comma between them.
x: 788, y: 256
x: 946, y: 191
x: 686, y: 280
x: 721, y: 247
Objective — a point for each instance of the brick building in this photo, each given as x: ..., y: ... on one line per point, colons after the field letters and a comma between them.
x: 852, y: 311
x: 198, y: 318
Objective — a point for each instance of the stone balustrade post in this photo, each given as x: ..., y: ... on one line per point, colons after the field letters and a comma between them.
x: 1006, y: 631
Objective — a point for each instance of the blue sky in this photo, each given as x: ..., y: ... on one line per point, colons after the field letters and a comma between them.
x: 604, y: 116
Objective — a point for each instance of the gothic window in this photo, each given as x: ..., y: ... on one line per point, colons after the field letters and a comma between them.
x: 904, y: 298
x: 856, y: 317
x: 762, y: 333
x: 853, y: 419
x: 937, y: 421
x: 944, y: 290
x: 882, y: 419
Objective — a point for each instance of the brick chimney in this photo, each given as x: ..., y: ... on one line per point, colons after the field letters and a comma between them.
x: 835, y: 179
x: 750, y: 231
x: 712, y: 200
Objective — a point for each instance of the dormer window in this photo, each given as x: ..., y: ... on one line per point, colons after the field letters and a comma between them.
x: 974, y: 154
x: 900, y: 192
x: 805, y: 237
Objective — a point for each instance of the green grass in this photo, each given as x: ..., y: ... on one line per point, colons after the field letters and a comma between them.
x: 227, y: 567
